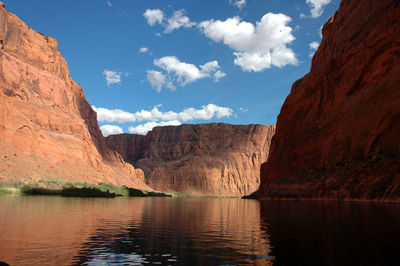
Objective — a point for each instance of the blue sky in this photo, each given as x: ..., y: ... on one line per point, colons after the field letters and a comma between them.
x: 166, y: 62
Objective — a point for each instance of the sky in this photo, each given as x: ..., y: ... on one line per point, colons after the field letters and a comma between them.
x: 147, y: 63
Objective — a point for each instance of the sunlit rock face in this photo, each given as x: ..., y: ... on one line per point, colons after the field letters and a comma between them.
x: 204, y: 159
x: 337, y: 134
x: 47, y: 128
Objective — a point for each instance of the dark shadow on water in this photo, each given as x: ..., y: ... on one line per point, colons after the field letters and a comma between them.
x: 327, y: 233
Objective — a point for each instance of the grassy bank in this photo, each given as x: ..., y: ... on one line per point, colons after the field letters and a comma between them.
x: 66, y: 189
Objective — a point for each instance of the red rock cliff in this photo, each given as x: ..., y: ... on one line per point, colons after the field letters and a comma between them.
x: 203, y: 159
x: 47, y: 128
x: 338, y: 132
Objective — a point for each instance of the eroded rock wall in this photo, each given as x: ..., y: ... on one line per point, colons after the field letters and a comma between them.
x: 337, y: 134
x: 45, y: 121
x: 204, y: 159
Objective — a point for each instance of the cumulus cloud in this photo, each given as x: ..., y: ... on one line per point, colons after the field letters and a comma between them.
x: 317, y: 7
x: 116, y: 115
x: 219, y: 75
x: 238, y: 3
x: 313, y: 47
x: 178, y: 19
x: 153, y: 16
x: 143, y: 50
x: 107, y: 130
x: 143, y: 129
x: 206, y: 112
x: 156, y: 79
x: 257, y: 47
x: 181, y: 72
x: 108, y: 2
x: 157, y: 117
x: 112, y: 77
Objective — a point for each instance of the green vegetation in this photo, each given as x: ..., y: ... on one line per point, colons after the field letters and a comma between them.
x: 142, y: 193
x: 86, y: 192
x: 84, y: 189
x: 11, y: 187
x: 32, y: 190
x: 67, y: 189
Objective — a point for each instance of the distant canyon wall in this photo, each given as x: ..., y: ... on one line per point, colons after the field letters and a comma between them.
x: 47, y: 128
x: 203, y: 159
x: 338, y: 132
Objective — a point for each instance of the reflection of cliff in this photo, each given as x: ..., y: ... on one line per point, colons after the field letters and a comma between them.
x: 199, y: 231
x: 52, y: 230
x: 326, y: 233
x: 211, y: 159
x: 337, y: 135
x: 46, y: 124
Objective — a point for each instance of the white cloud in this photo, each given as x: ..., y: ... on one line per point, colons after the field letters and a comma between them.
x: 317, y: 7
x: 156, y: 79
x: 238, y: 3
x: 302, y: 15
x: 143, y: 49
x: 313, y: 47
x: 112, y: 77
x: 153, y: 16
x: 156, y: 117
x: 178, y: 20
x: 257, y: 47
x: 218, y: 75
x: 108, y: 2
x: 206, y: 112
x: 107, y: 130
x: 185, y: 72
x: 243, y: 110
x: 143, y: 129
x: 116, y: 115
x: 181, y: 72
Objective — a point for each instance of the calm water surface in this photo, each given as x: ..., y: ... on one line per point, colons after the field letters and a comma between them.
x: 193, y: 231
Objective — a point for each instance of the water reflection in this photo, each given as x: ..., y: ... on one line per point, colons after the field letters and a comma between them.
x: 328, y: 233
x: 55, y: 230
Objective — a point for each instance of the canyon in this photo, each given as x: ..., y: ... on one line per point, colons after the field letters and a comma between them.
x: 48, y: 130
x: 337, y: 135
x: 204, y: 159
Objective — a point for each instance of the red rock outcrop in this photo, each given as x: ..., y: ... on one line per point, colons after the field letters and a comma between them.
x: 338, y: 131
x: 47, y: 128
x: 204, y: 159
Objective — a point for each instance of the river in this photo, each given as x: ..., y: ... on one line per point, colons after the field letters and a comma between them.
x: 52, y: 230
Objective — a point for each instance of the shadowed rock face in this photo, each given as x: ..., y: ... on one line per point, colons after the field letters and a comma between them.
x: 338, y: 131
x: 203, y: 159
x: 47, y: 128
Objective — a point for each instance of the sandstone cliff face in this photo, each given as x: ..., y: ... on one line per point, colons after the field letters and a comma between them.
x: 47, y: 128
x: 203, y: 159
x: 338, y: 130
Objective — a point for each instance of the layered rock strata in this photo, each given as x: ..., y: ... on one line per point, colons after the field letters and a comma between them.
x: 47, y: 128
x: 337, y: 134
x: 204, y: 159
